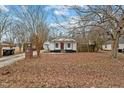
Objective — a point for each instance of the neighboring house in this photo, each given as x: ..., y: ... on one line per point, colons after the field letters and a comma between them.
x: 6, y: 45
x: 60, y: 45
x: 107, y: 46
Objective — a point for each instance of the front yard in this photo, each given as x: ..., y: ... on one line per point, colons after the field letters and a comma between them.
x: 65, y: 70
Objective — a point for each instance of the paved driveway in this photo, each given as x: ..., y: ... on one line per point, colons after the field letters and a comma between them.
x: 7, y: 60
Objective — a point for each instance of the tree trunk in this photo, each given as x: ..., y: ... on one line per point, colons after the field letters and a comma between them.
x: 20, y: 49
x: 114, y: 46
x: 24, y: 47
x: 38, y: 48
x: 38, y: 52
x: 0, y: 47
x: 1, y: 50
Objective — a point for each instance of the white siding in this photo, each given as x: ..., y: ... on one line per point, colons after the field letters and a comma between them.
x: 106, y: 47
x: 66, y: 46
x: 75, y: 46
x: 46, y: 45
x: 121, y: 46
x: 51, y: 47
x: 54, y: 46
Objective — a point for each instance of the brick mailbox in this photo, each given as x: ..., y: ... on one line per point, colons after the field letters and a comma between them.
x: 29, y: 51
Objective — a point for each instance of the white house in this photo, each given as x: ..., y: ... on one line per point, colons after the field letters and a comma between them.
x: 107, y: 46
x: 60, y: 45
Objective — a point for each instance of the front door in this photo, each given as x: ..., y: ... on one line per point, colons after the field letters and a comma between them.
x: 62, y: 46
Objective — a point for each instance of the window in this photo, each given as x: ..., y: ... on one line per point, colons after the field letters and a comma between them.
x: 56, y: 45
x: 69, y: 45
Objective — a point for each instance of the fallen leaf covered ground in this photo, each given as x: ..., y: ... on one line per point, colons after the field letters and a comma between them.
x: 65, y: 70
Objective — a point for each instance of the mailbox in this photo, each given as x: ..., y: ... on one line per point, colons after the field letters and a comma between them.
x: 29, y: 51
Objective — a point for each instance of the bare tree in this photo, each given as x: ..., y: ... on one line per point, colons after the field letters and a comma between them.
x: 109, y: 18
x: 35, y: 20
x: 40, y: 37
x: 4, y: 23
x: 18, y: 34
x: 97, y: 36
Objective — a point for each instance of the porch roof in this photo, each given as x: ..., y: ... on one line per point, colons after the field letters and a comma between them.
x: 63, y: 40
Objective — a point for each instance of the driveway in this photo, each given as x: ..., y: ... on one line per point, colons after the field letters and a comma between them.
x: 7, y: 60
